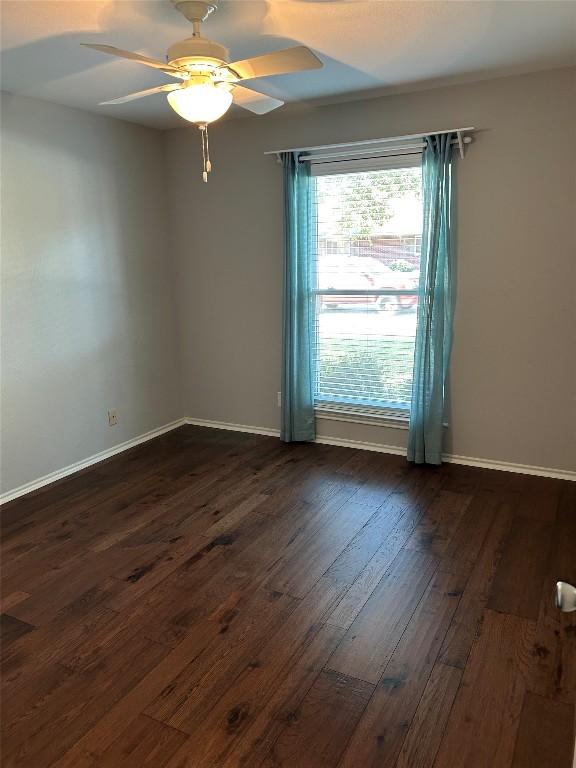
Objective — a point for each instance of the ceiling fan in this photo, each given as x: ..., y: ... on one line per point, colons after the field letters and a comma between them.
x: 208, y: 83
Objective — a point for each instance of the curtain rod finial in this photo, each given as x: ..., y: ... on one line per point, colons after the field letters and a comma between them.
x: 460, y: 144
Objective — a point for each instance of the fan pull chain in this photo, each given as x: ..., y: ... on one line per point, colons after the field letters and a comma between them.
x: 206, y: 164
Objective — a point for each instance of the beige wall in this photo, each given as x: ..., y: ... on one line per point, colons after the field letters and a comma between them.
x: 513, y: 373
x: 88, y: 318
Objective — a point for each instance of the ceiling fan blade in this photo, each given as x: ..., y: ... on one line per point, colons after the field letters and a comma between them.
x: 147, y: 92
x: 295, y: 59
x: 112, y: 51
x: 254, y: 101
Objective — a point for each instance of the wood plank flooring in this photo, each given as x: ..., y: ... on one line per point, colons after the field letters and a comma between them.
x: 220, y: 600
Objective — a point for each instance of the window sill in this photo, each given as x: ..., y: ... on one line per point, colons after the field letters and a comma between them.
x: 358, y: 415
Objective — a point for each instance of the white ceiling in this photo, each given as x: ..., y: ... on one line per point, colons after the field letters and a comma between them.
x: 367, y: 47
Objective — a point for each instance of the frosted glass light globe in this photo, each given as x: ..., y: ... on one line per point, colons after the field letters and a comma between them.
x: 201, y: 102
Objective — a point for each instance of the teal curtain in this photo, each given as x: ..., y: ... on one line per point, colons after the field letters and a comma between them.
x: 435, y: 307
x: 298, y: 368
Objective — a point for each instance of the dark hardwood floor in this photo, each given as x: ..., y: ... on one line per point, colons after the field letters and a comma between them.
x: 220, y: 600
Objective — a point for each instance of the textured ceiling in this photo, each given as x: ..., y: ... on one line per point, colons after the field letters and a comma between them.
x: 371, y: 47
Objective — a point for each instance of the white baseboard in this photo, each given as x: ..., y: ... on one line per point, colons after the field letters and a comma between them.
x: 269, y: 432
x: 78, y: 465
x: 504, y: 466
x: 469, y: 461
x: 360, y: 445
x: 233, y: 427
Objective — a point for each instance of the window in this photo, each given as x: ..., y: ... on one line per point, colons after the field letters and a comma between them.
x: 367, y: 265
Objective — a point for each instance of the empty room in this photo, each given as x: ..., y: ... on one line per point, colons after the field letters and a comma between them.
x: 288, y: 384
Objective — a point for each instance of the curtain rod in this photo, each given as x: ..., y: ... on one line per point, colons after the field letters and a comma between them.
x: 407, y: 137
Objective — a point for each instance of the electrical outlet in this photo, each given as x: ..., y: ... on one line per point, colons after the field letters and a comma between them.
x: 112, y: 417
x: 279, y: 399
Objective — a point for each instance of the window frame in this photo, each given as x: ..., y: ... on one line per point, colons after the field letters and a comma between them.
x: 371, y: 415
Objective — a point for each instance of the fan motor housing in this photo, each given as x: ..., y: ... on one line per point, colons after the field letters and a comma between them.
x: 194, y: 49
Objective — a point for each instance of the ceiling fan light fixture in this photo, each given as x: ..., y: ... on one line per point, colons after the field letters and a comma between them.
x: 201, y: 102
x: 208, y: 81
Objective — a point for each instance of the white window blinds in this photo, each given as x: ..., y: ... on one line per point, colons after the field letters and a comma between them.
x: 367, y: 264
